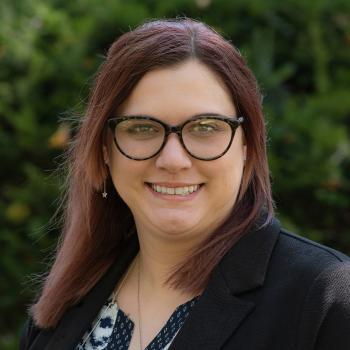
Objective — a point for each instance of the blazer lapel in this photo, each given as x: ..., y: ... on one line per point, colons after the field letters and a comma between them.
x: 212, y: 320
x: 221, y: 309
x: 78, y: 318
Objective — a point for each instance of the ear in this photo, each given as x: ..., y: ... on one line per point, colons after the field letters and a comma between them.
x: 105, y: 154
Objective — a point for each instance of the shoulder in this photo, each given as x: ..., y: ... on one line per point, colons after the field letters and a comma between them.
x: 321, y: 276
x: 308, y: 263
x: 304, y: 255
x: 291, y: 240
x: 327, y: 268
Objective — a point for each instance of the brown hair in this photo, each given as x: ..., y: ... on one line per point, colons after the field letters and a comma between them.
x: 94, y: 228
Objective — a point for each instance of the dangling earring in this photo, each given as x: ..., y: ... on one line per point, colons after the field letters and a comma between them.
x: 104, y: 193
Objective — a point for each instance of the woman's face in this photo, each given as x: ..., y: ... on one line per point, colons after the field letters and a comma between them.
x: 173, y: 95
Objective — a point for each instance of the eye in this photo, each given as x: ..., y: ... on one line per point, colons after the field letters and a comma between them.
x: 139, y: 129
x: 206, y: 127
x: 142, y: 129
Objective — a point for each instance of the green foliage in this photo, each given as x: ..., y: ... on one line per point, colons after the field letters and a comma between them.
x: 49, y: 51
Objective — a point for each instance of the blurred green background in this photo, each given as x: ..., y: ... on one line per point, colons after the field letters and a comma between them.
x: 49, y: 51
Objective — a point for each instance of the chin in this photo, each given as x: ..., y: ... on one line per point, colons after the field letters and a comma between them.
x: 177, y: 227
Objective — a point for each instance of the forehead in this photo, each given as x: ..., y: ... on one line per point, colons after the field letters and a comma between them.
x: 177, y: 92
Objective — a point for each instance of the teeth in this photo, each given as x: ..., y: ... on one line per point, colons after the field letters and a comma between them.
x: 182, y: 191
x: 170, y: 191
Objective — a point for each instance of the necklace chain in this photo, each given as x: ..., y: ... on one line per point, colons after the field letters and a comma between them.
x: 138, y: 294
x: 139, y: 303
x: 115, y: 294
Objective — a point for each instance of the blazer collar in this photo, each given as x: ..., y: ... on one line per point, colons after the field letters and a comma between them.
x: 242, y: 269
x: 221, y: 309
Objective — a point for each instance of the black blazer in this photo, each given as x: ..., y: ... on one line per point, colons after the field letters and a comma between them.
x: 272, y: 291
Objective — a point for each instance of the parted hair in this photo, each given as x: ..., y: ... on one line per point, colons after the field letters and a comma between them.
x: 94, y: 229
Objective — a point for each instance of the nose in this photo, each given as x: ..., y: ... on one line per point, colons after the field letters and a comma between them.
x: 173, y: 156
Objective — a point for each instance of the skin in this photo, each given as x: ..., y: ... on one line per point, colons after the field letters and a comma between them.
x: 167, y: 229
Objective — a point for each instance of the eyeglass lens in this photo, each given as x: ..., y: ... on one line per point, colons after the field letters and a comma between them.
x: 203, y: 138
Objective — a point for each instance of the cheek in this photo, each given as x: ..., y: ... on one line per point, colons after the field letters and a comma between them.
x: 226, y: 175
x: 119, y: 168
x: 231, y: 179
x: 127, y: 175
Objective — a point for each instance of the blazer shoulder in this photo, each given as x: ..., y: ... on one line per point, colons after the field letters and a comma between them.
x: 310, y: 249
x: 325, y: 317
x: 319, y: 277
x: 296, y: 258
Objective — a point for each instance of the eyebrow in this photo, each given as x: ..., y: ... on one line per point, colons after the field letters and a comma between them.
x: 204, y: 114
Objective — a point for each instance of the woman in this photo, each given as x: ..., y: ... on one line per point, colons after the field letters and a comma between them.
x: 169, y: 239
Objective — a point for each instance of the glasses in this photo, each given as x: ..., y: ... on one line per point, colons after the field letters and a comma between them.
x: 204, y: 137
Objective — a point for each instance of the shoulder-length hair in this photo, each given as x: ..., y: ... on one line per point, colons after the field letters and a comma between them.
x: 94, y: 228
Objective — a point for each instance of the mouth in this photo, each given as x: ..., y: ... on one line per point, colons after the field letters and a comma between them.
x: 176, y: 190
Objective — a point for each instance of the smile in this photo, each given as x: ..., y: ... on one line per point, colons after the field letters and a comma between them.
x: 182, y: 191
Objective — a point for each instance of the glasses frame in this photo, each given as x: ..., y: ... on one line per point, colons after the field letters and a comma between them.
x: 233, y: 122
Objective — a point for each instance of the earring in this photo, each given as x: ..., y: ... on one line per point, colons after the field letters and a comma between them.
x: 104, y: 193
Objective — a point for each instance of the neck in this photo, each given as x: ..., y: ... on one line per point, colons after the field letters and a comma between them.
x: 157, y: 261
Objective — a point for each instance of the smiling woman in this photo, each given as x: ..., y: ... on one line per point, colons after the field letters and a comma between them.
x: 169, y: 239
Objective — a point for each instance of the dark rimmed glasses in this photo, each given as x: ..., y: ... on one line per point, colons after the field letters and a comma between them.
x: 204, y: 137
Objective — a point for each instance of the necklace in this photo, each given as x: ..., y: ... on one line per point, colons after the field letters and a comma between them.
x: 138, y: 294
x: 114, y: 299
x: 139, y: 303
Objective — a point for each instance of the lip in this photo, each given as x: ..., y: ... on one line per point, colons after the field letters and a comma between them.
x: 174, y: 184
x: 173, y: 197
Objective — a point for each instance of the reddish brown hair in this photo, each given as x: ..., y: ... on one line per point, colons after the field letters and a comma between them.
x: 94, y: 228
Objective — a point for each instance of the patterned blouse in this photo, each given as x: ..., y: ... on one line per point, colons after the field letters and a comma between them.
x: 113, y: 329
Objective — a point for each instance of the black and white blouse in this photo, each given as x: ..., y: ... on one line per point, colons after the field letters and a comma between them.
x: 113, y: 329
